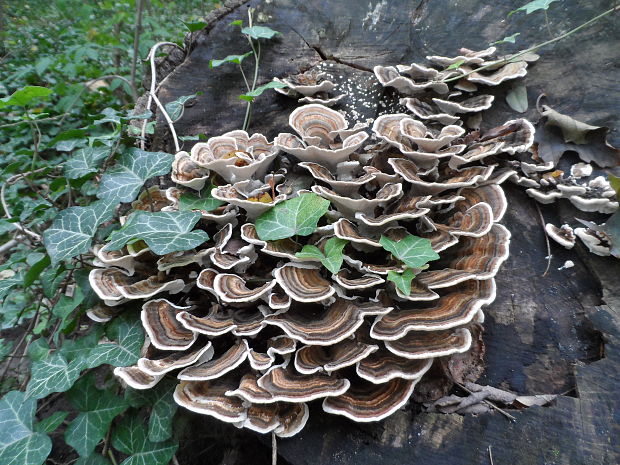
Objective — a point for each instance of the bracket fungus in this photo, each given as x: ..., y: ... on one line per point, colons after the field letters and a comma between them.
x: 345, y: 273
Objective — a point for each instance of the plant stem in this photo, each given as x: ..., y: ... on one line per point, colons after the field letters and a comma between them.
x: 245, y: 79
x: 136, y: 44
x: 535, y: 47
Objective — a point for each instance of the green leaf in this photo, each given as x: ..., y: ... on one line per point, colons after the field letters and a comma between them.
x: 259, y: 32
x: 72, y: 231
x: 130, y: 437
x: 412, y: 250
x: 163, y: 232
x: 73, y: 349
x: 508, y: 39
x: 123, y: 181
x: 236, y: 22
x: 516, y: 98
x: 250, y: 96
x: 64, y: 308
x: 531, y: 7
x: 455, y: 65
x: 5, y: 349
x: 297, y: 216
x: 19, y: 444
x: 6, y: 284
x: 203, y: 201
x: 163, y: 408
x: 85, y: 161
x: 25, y: 96
x: 127, y: 336
x: 175, y: 109
x: 402, y: 280
x: 42, y: 64
x: 35, y: 270
x: 331, y: 259
x: 193, y: 27
x: 51, y: 423
x: 97, y: 410
x: 53, y: 374
x: 229, y: 59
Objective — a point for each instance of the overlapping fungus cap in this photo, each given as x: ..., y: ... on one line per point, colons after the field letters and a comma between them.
x: 253, y: 332
x: 309, y: 87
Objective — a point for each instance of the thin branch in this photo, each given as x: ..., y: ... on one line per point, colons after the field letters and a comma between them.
x: 490, y: 455
x: 542, y: 222
x: 136, y: 45
x: 534, y: 48
x: 490, y: 404
x: 152, y: 89
x: 274, y: 449
x: 40, y: 120
x: 8, y: 246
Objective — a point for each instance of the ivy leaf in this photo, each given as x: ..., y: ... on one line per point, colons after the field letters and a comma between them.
x: 516, y: 98
x: 85, y: 161
x: 72, y: 231
x: 65, y: 306
x: 531, y: 7
x: 19, y: 444
x: 97, y: 410
x: 52, y: 374
x: 35, y: 270
x: 508, y: 39
x: 127, y: 338
x: 25, y: 96
x: 163, y: 232
x: 298, y: 216
x: 455, y: 65
x: 250, y: 96
x: 236, y: 22
x: 402, y: 280
x: 163, y: 408
x: 193, y: 27
x: 205, y: 201
x: 6, y: 284
x: 331, y: 259
x: 50, y: 423
x: 123, y: 181
x: 259, y: 32
x: 176, y: 108
x: 229, y: 59
x: 130, y: 437
x: 412, y: 250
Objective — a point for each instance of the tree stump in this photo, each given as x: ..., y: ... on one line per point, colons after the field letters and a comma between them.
x: 557, y: 334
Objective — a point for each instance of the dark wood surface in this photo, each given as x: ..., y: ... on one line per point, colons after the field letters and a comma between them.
x: 543, y: 335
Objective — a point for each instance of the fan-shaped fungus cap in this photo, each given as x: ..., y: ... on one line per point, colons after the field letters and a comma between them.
x: 430, y: 344
x: 383, y: 366
x: 217, y: 367
x: 326, y: 327
x: 562, y: 235
x: 303, y: 283
x: 208, y: 397
x: 312, y: 359
x: 285, y: 385
x: 235, y: 155
x: 366, y: 402
x: 164, y: 330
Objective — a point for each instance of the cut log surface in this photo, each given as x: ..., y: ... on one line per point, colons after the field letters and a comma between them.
x: 557, y: 334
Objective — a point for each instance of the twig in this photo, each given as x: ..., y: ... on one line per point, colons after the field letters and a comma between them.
x: 112, y: 458
x: 175, y: 461
x: 136, y: 45
x: 274, y: 449
x: 7, y: 213
x: 40, y: 120
x: 490, y: 455
x: 533, y: 48
x: 152, y: 89
x: 8, y: 245
x: 542, y: 222
x: 489, y: 403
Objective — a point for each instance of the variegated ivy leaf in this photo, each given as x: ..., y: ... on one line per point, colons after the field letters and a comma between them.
x: 331, y: 259
x: 123, y: 181
x: 163, y: 232
x: 162, y: 404
x: 251, y: 95
x: 19, y: 444
x: 412, y: 250
x: 229, y: 59
x: 297, y: 216
x: 72, y: 230
x: 176, y: 108
x: 204, y: 201
x: 130, y: 437
x: 533, y: 6
x: 259, y: 32
x: 97, y: 410
x: 52, y: 374
x: 85, y: 161
x: 402, y: 280
x: 126, y: 338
